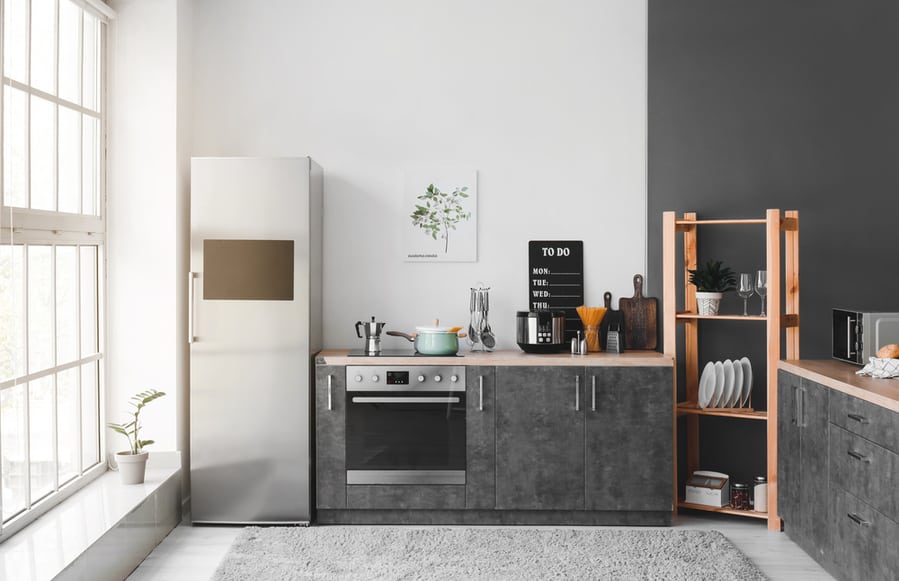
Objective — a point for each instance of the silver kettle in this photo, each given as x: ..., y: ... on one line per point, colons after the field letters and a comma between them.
x: 372, y: 335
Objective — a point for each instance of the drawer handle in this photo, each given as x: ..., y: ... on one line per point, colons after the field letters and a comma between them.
x: 858, y: 418
x: 858, y: 520
x: 329, y: 394
x: 859, y: 456
x: 577, y: 393
x: 480, y: 393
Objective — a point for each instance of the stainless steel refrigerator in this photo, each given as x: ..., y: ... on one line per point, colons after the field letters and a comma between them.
x: 254, y: 327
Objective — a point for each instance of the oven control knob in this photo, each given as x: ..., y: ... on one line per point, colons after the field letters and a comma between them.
x: 454, y: 378
x: 375, y: 378
x: 438, y: 379
x: 421, y: 379
x: 358, y: 378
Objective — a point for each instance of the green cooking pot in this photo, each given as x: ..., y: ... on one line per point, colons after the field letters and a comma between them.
x: 432, y: 340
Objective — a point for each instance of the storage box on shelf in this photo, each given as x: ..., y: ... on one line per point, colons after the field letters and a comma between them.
x: 781, y: 275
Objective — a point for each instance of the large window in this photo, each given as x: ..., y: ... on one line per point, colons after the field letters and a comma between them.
x: 51, y: 253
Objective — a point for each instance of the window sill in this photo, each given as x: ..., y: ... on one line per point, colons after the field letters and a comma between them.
x: 101, y: 528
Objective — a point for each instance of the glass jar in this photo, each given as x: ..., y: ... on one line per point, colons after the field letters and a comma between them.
x: 739, y: 496
x: 760, y: 494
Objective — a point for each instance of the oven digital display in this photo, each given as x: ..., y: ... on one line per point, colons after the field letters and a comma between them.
x: 397, y: 378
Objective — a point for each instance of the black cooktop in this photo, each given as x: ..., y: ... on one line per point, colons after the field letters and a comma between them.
x: 396, y: 353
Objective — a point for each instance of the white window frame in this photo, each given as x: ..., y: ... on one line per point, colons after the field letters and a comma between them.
x: 25, y: 226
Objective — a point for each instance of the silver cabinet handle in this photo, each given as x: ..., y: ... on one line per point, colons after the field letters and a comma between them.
x: 801, y: 422
x: 858, y: 520
x: 329, y: 393
x: 859, y: 456
x: 480, y: 393
x: 190, y: 307
x: 858, y: 418
x: 594, y: 393
x: 577, y: 393
x: 848, y: 337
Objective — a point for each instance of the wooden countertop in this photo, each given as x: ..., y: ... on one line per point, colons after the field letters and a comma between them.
x: 841, y: 377
x: 510, y: 357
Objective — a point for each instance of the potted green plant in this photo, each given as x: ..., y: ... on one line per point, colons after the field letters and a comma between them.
x: 712, y: 280
x: 132, y: 463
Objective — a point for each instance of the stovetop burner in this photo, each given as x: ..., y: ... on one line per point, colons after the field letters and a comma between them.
x: 396, y: 353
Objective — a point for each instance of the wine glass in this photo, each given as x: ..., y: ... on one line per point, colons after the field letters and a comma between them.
x: 745, y: 290
x: 761, y: 287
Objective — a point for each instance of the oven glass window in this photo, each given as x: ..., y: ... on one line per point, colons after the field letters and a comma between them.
x: 405, y: 431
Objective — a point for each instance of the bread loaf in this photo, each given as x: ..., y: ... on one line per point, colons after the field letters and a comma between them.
x: 890, y: 351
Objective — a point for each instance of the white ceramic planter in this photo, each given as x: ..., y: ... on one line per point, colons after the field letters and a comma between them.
x: 707, y: 303
x: 132, y: 467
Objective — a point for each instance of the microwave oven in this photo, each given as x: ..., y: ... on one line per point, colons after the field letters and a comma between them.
x: 857, y: 335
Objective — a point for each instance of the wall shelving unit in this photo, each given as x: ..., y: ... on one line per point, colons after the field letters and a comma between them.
x: 783, y: 276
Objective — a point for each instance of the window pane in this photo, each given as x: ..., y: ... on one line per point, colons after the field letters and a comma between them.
x: 40, y: 412
x: 15, y: 148
x: 13, y: 453
x: 90, y: 160
x: 43, y: 154
x: 43, y: 45
x: 69, y: 51
x: 12, y: 312
x: 90, y: 416
x: 40, y: 309
x: 66, y: 304
x: 89, y: 320
x: 91, y: 63
x: 69, y: 160
x: 15, y: 49
x: 68, y: 417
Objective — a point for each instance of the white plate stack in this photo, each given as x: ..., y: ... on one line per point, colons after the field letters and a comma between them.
x: 726, y: 384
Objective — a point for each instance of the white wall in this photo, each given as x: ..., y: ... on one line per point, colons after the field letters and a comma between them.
x: 547, y: 100
x: 143, y: 214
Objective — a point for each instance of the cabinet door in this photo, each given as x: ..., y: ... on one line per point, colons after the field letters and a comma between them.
x: 540, y: 438
x: 629, y: 460
x: 813, y: 474
x: 330, y: 436
x: 788, y: 452
x: 480, y: 435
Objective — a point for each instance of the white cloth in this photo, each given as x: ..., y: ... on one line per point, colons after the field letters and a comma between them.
x: 880, y: 368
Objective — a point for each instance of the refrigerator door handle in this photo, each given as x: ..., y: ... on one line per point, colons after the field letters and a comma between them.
x: 191, y: 338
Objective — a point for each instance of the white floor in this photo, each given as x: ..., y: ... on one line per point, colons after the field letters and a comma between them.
x: 193, y: 553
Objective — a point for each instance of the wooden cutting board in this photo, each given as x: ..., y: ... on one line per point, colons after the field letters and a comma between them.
x: 611, y: 318
x: 641, y: 316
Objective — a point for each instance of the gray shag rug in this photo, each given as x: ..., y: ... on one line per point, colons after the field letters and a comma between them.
x: 368, y: 552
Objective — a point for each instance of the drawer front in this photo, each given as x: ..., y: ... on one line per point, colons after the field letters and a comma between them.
x: 864, y: 541
x: 866, y: 470
x: 875, y: 423
x: 407, y: 496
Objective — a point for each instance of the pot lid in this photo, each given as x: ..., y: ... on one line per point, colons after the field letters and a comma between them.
x: 432, y: 329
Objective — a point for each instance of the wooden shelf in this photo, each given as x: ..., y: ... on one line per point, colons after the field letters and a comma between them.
x: 692, y: 408
x: 723, y: 510
x: 781, y: 233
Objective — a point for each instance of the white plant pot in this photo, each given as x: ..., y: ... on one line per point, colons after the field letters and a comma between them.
x: 132, y: 467
x: 708, y: 303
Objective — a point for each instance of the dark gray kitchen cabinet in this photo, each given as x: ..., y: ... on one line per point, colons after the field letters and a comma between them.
x: 540, y: 438
x: 803, y: 462
x: 480, y: 438
x: 629, y: 427
x: 330, y: 436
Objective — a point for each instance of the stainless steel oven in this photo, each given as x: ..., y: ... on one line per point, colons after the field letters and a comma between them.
x: 405, y: 424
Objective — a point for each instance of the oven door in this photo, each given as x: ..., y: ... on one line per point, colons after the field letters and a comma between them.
x: 405, y: 437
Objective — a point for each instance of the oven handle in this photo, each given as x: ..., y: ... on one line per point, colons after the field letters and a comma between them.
x: 362, y: 399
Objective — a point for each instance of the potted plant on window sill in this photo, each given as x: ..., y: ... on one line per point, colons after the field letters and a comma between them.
x: 712, y: 280
x: 132, y: 463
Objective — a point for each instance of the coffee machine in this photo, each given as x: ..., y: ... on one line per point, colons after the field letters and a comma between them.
x: 372, y: 337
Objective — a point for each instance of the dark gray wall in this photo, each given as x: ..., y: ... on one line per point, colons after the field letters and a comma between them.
x: 757, y: 104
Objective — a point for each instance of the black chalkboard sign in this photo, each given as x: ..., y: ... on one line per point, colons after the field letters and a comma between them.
x: 556, y: 279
